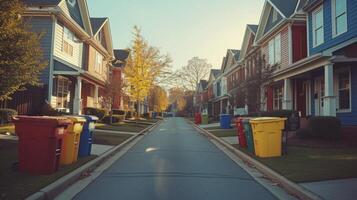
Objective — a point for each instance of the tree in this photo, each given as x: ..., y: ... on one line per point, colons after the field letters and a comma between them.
x: 21, y: 57
x: 158, y: 99
x: 195, y: 70
x: 145, y: 66
x: 177, y: 98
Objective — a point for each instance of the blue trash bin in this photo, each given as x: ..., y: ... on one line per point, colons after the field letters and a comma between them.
x: 154, y: 114
x: 85, y: 144
x: 225, y: 121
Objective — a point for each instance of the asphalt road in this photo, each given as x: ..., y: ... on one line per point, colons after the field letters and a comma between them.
x: 175, y: 162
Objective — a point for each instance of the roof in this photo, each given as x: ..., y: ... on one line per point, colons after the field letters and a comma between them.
x: 253, y: 28
x: 42, y: 2
x: 121, y: 55
x: 216, y: 72
x: 287, y: 8
x: 97, y: 23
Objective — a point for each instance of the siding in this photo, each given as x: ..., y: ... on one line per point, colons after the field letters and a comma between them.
x: 76, y: 59
x: 299, y: 42
x: 44, y: 25
x: 328, y: 40
x: 284, y: 47
x: 270, y: 24
x: 91, y: 63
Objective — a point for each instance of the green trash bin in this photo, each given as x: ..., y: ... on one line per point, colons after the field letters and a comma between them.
x: 248, y: 134
x: 204, y: 119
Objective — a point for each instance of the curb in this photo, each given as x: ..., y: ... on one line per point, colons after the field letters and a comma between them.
x: 55, y: 188
x: 287, y: 185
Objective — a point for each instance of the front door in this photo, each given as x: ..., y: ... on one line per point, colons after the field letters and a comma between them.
x: 319, y: 93
x: 301, y: 87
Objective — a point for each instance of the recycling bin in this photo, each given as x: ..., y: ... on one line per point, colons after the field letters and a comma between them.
x: 154, y: 114
x: 204, y: 118
x: 85, y: 144
x: 198, y: 119
x: 248, y: 134
x: 267, y: 134
x: 240, y: 133
x: 225, y: 121
x: 70, y: 144
x: 40, y: 143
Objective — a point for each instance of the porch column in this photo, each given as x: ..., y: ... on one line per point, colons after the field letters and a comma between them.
x: 77, y: 101
x: 96, y: 98
x: 329, y: 98
x: 288, y: 96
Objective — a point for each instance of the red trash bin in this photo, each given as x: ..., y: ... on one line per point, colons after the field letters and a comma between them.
x: 242, y: 140
x: 40, y: 142
x: 198, y: 119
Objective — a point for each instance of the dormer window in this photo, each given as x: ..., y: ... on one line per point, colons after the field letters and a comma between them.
x: 71, y: 2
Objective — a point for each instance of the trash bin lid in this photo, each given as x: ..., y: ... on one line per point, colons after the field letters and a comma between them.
x: 90, y: 118
x: 77, y: 119
x: 267, y: 119
x: 55, y: 121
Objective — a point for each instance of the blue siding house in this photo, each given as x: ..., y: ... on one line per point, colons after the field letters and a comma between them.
x: 325, y: 82
x: 77, y: 49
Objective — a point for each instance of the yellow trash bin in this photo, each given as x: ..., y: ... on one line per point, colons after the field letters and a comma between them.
x: 70, y: 143
x: 267, y: 134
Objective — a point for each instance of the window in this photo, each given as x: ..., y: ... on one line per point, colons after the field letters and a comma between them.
x: 278, y: 98
x: 344, y: 92
x: 98, y: 67
x: 275, y: 50
x: 67, y: 44
x: 339, y: 16
x: 61, y: 92
x: 318, y: 27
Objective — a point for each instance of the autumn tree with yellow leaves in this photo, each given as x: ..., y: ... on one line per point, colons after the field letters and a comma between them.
x: 145, y: 67
x: 158, y: 100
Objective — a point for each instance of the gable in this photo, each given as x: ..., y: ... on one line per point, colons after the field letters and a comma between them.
x: 73, y: 11
x: 271, y: 22
x: 78, y: 12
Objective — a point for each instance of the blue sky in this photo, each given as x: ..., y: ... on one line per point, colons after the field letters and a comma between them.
x: 182, y: 28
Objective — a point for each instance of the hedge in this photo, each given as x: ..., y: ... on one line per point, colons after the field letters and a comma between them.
x: 100, y: 113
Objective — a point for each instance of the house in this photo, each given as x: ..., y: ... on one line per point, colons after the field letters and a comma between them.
x: 329, y: 68
x: 281, y: 39
x: 78, y: 50
x: 121, y: 55
x: 201, y: 97
x: 212, y: 91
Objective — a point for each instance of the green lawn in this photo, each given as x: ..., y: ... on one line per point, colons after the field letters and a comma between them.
x: 16, y: 185
x: 303, y: 164
x: 9, y: 128
x: 109, y: 138
x: 125, y: 127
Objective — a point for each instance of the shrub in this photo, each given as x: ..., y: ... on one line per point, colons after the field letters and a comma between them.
x: 130, y: 114
x: 6, y: 115
x: 115, y: 119
x: 324, y: 127
x: 100, y: 113
x: 118, y: 112
x: 47, y: 110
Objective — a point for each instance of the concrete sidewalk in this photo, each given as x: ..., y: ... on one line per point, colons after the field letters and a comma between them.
x: 344, y: 189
